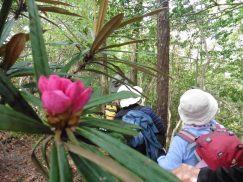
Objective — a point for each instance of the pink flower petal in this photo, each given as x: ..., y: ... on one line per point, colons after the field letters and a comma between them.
x: 42, y: 83
x: 81, y: 100
x: 54, y: 83
x: 55, y: 102
x: 65, y: 83
x: 75, y: 89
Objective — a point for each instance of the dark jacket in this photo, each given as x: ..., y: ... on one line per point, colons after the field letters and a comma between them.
x: 149, y: 111
x: 221, y: 175
x: 156, y: 120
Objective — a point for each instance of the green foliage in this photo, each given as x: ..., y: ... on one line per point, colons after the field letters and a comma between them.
x: 94, y: 146
x: 207, y: 48
x: 40, y: 58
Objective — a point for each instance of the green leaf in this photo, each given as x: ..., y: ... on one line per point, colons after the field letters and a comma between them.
x: 95, y: 101
x: 121, y: 44
x: 131, y: 159
x: 64, y: 168
x: 31, y: 98
x: 37, y: 42
x: 44, y: 150
x: 85, y: 79
x: 90, y: 171
x: 6, y: 5
x: 141, y: 67
x: 36, y: 161
x: 73, y: 61
x: 105, y: 162
x: 11, y: 96
x: 6, y: 30
x: 19, y: 72
x: 54, y: 175
x: 113, y: 125
x: 16, y: 121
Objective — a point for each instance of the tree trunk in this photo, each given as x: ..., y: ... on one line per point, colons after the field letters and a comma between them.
x: 134, y: 47
x: 134, y: 59
x: 163, y: 36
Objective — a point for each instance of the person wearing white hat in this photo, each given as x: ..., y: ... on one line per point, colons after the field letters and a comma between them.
x: 136, y: 103
x: 197, y: 110
x: 112, y: 108
x: 130, y: 101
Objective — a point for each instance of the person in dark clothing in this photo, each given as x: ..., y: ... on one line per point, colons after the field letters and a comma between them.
x: 188, y: 173
x: 149, y: 111
x: 112, y: 108
x: 234, y: 174
x: 132, y: 104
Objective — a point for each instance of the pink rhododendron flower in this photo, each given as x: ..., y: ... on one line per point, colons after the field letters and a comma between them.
x: 61, y: 96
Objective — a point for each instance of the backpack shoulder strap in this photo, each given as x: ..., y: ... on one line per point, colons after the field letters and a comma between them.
x: 217, y: 127
x: 186, y: 135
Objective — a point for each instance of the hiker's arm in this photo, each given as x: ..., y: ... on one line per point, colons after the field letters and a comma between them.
x: 221, y: 175
x: 174, y: 157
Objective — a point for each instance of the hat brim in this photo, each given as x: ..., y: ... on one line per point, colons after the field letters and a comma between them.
x: 129, y: 101
x: 212, y: 111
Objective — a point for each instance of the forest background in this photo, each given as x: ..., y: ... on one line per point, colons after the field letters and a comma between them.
x: 166, y: 47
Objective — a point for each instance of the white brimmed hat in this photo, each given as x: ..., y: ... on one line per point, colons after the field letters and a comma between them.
x: 197, y: 107
x: 130, y: 101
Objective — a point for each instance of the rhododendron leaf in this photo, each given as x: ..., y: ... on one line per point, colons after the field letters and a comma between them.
x: 37, y: 41
x: 138, y: 163
x: 5, y: 9
x: 117, y: 126
x: 95, y: 101
x: 35, y: 101
x: 36, y: 161
x: 12, y: 96
x: 6, y: 31
x: 90, y: 171
x: 105, y: 162
x: 140, y: 18
x: 82, y: 99
x: 54, y: 171
x: 42, y: 83
x: 54, y: 2
x: 101, y: 16
x: 57, y: 10
x: 105, y: 32
x: 13, y: 50
x: 55, y: 101
x: 16, y: 121
x: 64, y: 168
x: 77, y: 57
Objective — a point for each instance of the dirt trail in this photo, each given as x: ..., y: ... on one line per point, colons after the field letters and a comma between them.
x: 15, y: 160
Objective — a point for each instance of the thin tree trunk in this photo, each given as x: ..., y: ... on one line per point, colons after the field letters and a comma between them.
x: 134, y: 59
x: 163, y: 34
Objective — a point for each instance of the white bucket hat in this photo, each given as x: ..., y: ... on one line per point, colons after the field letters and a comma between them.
x: 197, y: 107
x: 130, y: 101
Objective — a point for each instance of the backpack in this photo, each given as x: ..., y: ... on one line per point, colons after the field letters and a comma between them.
x: 147, y: 135
x: 219, y: 148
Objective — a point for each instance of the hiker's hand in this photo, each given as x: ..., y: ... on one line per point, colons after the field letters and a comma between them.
x: 186, y: 173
